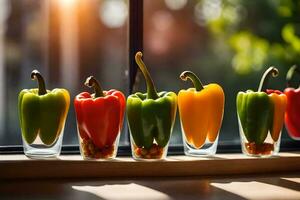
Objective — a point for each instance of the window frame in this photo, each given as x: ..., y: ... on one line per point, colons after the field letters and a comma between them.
x: 135, y: 43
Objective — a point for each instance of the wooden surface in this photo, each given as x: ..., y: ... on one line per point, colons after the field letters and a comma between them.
x: 18, y: 166
x: 260, y: 187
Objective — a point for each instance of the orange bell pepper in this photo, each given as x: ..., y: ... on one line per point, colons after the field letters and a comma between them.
x: 201, y: 110
x: 279, y: 101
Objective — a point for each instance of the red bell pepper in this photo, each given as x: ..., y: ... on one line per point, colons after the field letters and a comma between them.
x: 99, y: 117
x: 292, y: 114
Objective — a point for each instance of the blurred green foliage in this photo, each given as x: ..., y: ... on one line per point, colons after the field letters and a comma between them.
x: 259, y: 32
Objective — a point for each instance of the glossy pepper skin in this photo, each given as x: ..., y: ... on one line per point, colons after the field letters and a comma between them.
x: 42, y: 112
x: 99, y: 115
x: 292, y: 115
x: 201, y: 110
x: 279, y: 101
x: 260, y: 112
x: 151, y: 116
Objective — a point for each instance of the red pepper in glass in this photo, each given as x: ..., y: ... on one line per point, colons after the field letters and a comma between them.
x: 99, y: 120
x: 292, y: 114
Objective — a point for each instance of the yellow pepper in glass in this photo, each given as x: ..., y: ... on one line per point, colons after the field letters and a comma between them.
x: 201, y: 111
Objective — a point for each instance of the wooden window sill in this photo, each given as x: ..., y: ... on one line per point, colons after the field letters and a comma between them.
x: 72, y: 166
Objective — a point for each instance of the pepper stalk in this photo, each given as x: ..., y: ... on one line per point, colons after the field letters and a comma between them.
x: 271, y: 71
x: 151, y: 90
x: 92, y: 82
x: 291, y: 73
x: 194, y: 78
x: 36, y: 75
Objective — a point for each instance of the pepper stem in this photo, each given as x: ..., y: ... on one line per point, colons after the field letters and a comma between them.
x: 291, y: 73
x: 151, y: 90
x: 93, y: 83
x: 194, y: 78
x: 36, y: 75
x: 271, y: 71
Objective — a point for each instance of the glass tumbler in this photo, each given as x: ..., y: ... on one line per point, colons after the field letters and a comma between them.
x: 39, y: 149
x: 260, y: 123
x: 198, y: 140
x: 201, y: 115
x: 42, y: 121
x: 91, y: 150
x: 151, y: 129
x: 151, y: 153
x: 98, y: 127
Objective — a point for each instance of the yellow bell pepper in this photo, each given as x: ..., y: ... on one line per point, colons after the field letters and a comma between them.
x: 201, y: 110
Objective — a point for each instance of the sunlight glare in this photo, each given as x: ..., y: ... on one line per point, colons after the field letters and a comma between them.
x: 113, y: 13
x: 67, y: 3
x: 207, y: 11
x: 248, y: 190
x: 123, y: 191
x: 175, y: 4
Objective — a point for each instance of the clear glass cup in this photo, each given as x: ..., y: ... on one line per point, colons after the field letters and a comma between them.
x: 204, y: 147
x: 269, y: 147
x: 90, y: 151
x: 154, y: 153
x: 207, y: 149
x: 38, y: 149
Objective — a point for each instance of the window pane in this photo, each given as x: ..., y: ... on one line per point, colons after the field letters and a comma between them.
x: 230, y: 42
x: 66, y: 40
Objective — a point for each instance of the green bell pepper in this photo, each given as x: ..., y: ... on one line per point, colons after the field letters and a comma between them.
x: 151, y: 116
x: 255, y: 110
x: 42, y: 112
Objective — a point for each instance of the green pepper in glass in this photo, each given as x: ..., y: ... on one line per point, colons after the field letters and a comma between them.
x: 261, y: 113
x: 151, y: 118
x: 42, y: 115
